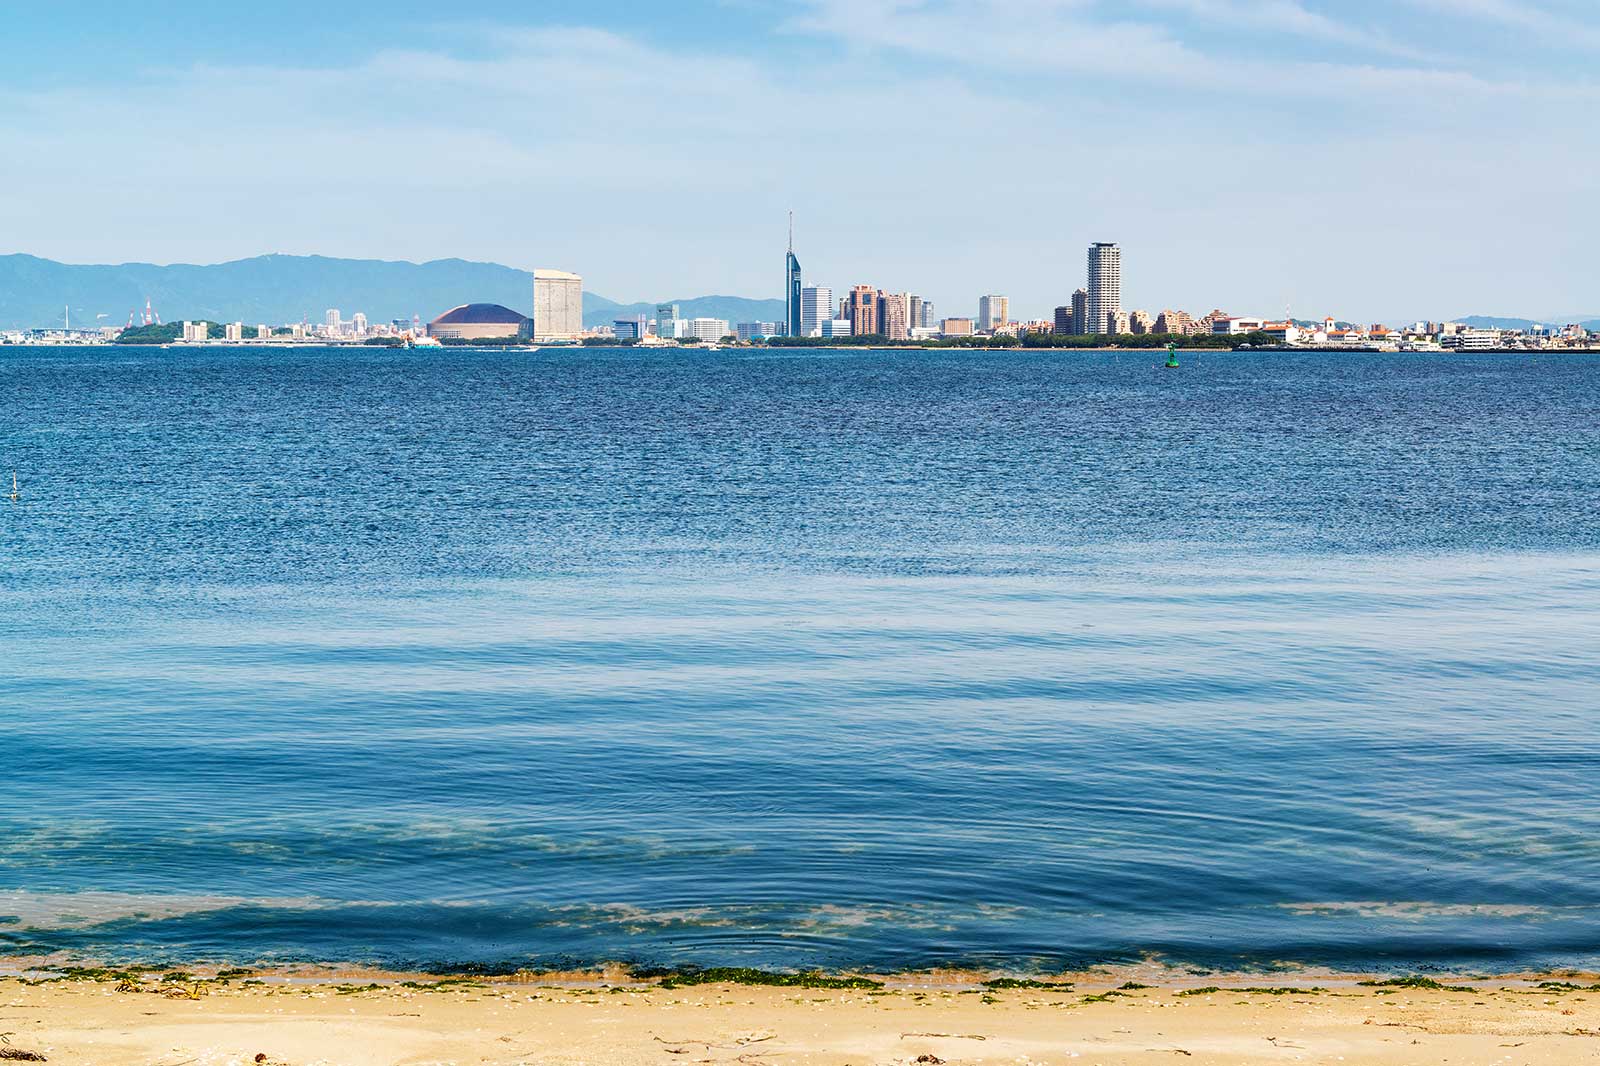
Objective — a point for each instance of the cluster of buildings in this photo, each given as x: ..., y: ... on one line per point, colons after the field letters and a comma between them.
x: 557, y: 318
x: 817, y: 311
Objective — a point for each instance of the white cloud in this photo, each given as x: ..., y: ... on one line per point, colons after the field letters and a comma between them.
x: 923, y: 149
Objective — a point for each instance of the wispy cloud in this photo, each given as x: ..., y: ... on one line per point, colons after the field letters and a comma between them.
x: 950, y: 148
x: 1552, y: 26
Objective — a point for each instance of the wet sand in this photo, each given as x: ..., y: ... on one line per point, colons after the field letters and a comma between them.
x: 171, y: 1023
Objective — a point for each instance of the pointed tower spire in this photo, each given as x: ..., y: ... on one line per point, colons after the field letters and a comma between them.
x: 791, y: 232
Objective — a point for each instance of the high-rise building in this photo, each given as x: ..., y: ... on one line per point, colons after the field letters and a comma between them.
x: 666, y: 315
x: 330, y: 318
x: 914, y: 310
x: 1141, y: 322
x: 1080, y: 313
x: 264, y: 333
x: 863, y: 311
x: 1119, y: 324
x: 792, y: 288
x: 929, y: 321
x: 892, y: 321
x: 628, y: 329
x: 233, y: 331
x: 816, y: 307
x: 1063, y: 323
x: 993, y: 312
x: 1105, y: 286
x: 557, y: 306
x: 358, y: 324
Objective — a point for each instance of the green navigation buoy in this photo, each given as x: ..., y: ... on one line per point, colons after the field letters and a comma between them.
x: 1172, y: 357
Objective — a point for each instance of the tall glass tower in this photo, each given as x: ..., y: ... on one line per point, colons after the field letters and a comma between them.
x: 791, y: 289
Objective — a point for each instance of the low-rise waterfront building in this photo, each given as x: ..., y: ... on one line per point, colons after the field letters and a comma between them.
x: 480, y: 322
x: 1233, y: 327
x: 756, y: 331
x: 957, y: 327
x: 1467, y: 339
x: 706, y: 329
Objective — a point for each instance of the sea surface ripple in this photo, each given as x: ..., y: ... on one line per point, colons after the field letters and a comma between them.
x: 800, y: 658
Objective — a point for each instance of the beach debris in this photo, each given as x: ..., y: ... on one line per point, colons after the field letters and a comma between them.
x: 261, y: 1056
x: 681, y: 1047
x: 16, y: 1054
x: 194, y: 991
x: 934, y: 1059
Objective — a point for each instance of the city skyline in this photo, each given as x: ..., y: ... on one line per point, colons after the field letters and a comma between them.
x: 1366, y: 129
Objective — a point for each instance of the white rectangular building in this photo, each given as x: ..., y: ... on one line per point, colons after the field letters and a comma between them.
x: 557, y: 306
x: 816, y: 307
x: 706, y: 329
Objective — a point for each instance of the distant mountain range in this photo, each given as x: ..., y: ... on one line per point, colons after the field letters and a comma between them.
x: 277, y: 289
x: 1490, y: 322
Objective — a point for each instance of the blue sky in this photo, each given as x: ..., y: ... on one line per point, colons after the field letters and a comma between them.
x: 1364, y: 159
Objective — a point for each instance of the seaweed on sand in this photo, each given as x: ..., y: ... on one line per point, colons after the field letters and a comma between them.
x: 738, y: 975
x: 1426, y: 984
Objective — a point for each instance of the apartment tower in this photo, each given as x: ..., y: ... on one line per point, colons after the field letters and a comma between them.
x: 1105, y: 287
x: 993, y: 312
x: 863, y: 311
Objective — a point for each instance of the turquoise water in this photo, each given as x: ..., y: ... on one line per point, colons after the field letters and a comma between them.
x: 807, y: 659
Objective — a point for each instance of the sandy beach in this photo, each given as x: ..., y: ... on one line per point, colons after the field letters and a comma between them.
x: 112, y: 1022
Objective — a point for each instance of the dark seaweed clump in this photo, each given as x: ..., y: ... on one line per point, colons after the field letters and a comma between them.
x: 1283, y: 990
x: 738, y: 975
x: 1424, y: 983
x: 1019, y: 982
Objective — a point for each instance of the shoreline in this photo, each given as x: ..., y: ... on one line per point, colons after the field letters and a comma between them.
x: 109, y: 1021
x: 36, y: 971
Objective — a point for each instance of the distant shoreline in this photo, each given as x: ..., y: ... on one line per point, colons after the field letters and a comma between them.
x: 1064, y: 350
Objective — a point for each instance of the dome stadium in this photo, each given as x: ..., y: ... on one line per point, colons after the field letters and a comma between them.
x: 480, y: 322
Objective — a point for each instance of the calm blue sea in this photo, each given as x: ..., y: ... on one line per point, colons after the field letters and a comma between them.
x: 800, y: 659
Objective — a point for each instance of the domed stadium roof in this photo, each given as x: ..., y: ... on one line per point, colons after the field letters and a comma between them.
x: 480, y: 315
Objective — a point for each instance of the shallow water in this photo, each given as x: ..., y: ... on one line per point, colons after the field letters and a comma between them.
x: 805, y: 659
